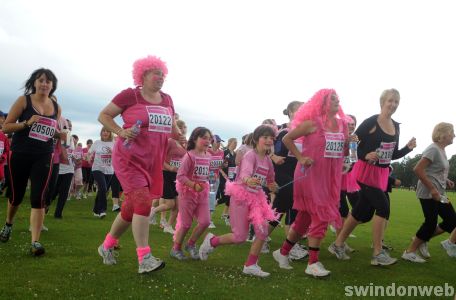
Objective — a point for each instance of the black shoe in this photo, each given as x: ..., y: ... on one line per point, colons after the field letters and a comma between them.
x: 37, y: 249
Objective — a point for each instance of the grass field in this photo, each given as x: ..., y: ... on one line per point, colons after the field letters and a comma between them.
x: 72, y: 269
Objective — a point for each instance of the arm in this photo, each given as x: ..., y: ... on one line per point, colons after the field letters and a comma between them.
x: 405, y: 150
x: 246, y: 171
x: 305, y: 128
x: 106, y: 118
x: 10, y: 125
x: 420, y: 171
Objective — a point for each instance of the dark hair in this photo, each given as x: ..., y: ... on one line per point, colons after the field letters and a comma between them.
x: 262, y: 130
x: 75, y: 136
x: 353, y: 118
x: 89, y: 141
x: 292, y: 107
x: 196, y: 133
x: 29, y: 87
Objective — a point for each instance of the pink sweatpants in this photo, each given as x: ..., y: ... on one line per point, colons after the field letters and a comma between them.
x: 197, y: 207
x: 310, y: 224
x: 239, y: 220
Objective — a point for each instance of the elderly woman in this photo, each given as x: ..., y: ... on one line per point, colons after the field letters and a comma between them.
x: 138, y: 155
x: 432, y: 172
x: 33, y: 120
x: 378, y: 146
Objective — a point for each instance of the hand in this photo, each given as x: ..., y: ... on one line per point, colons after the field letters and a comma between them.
x: 372, y: 157
x: 252, y: 182
x: 278, y: 160
x: 198, y: 187
x: 435, y: 194
x: 273, y: 187
x: 450, y: 184
x: 412, y: 143
x: 32, y: 120
x: 127, y: 133
x: 353, y: 138
x: 306, y: 161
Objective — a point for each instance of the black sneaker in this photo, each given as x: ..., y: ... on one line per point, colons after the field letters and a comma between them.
x: 37, y: 249
x: 5, y: 233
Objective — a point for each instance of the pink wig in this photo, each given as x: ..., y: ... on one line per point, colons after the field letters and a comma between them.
x: 316, y: 108
x: 145, y: 64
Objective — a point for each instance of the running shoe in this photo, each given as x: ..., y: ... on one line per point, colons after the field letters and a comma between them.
x: 37, y: 249
x: 383, y: 259
x: 193, y: 250
x: 109, y: 256
x: 5, y: 233
x: 255, y: 270
x: 413, y: 257
x: 150, y: 264
x: 284, y: 262
x: 317, y: 270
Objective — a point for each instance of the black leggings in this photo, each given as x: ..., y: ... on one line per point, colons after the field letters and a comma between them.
x: 353, y: 198
x: 371, y: 200
x: 103, y: 181
x: 115, y: 187
x: 37, y: 167
x: 63, y: 189
x: 432, y: 210
x: 52, y: 186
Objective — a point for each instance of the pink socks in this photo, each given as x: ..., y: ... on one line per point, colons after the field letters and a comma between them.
x: 215, y: 241
x: 109, y: 242
x: 141, y: 252
x: 251, y: 260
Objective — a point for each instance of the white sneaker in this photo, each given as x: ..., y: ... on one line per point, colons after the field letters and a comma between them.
x: 84, y: 196
x: 297, y: 252
x: 206, y: 247
x: 449, y: 247
x: 283, y: 260
x: 339, y: 252
x: 348, y: 248
x: 411, y: 256
x: 168, y: 229
x: 255, y: 270
x: 424, y: 250
x: 115, y: 207
x: 317, y: 270
x: 102, y: 215
x: 265, y: 248
x: 150, y: 264
x: 212, y: 225
x: 152, y: 217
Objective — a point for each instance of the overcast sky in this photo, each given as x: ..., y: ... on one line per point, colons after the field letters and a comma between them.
x: 234, y: 63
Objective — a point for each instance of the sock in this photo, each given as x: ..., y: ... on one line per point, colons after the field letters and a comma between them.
x: 177, y: 247
x: 141, y: 252
x: 109, y: 242
x: 251, y: 260
x: 286, y: 247
x: 191, y: 243
x: 215, y: 241
x: 313, y: 255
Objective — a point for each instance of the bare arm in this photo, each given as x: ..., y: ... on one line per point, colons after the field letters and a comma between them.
x: 305, y: 128
x: 10, y: 125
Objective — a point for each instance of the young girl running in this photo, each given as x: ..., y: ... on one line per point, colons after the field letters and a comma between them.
x: 193, y: 189
x: 248, y: 202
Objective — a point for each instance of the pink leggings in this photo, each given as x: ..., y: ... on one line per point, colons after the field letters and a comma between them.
x: 239, y: 220
x: 136, y: 202
x: 189, y: 208
x: 310, y: 224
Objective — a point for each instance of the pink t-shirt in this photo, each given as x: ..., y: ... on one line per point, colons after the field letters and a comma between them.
x: 127, y: 98
x: 194, y: 167
x: 254, y: 166
x: 217, y: 159
x: 174, y: 153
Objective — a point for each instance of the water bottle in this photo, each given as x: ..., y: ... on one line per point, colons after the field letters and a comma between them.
x: 212, y: 181
x: 136, y: 129
x: 353, y: 152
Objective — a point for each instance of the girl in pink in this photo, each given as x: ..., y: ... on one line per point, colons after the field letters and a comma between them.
x: 138, y: 155
x: 193, y: 188
x: 323, y: 126
x: 248, y: 202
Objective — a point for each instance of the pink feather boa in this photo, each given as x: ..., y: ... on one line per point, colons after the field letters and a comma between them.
x: 259, y: 209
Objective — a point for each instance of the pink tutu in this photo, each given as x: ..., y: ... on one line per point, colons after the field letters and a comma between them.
x: 371, y: 175
x: 349, y: 183
x: 259, y: 209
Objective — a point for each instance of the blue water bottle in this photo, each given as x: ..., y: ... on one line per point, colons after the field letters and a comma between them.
x: 353, y: 152
x: 136, y: 129
x: 212, y: 181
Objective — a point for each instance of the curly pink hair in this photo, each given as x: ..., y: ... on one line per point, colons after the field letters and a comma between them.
x: 316, y: 108
x: 145, y: 64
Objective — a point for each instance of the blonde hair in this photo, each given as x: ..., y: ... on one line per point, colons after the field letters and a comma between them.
x: 110, y: 138
x: 230, y: 141
x: 388, y: 92
x: 440, y: 130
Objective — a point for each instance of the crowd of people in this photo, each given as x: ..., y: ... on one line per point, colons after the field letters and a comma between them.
x: 304, y: 170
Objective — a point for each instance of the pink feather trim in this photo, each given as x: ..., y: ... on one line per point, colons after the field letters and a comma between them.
x: 187, y: 192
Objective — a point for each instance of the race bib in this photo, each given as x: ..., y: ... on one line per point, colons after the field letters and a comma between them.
x: 216, y: 162
x: 299, y: 146
x: 105, y: 159
x: 2, y: 147
x: 174, y: 162
x: 334, y: 147
x: 260, y: 173
x: 201, y: 170
x: 347, y: 165
x: 160, y: 119
x: 385, y: 152
x: 77, y: 154
x: 43, y: 129
x: 231, y: 172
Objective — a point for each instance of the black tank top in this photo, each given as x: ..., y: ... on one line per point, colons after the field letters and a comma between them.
x: 21, y: 141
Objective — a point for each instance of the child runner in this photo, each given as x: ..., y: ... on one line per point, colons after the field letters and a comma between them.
x: 193, y: 189
x: 248, y: 202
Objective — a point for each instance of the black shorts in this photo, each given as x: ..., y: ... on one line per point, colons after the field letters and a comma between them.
x: 353, y: 198
x: 371, y: 201
x: 87, y: 174
x: 169, y: 185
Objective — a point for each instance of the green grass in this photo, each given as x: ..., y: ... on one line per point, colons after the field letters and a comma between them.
x: 72, y: 269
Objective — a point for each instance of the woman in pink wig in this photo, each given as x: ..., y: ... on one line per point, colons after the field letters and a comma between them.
x: 322, y: 126
x: 138, y: 155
